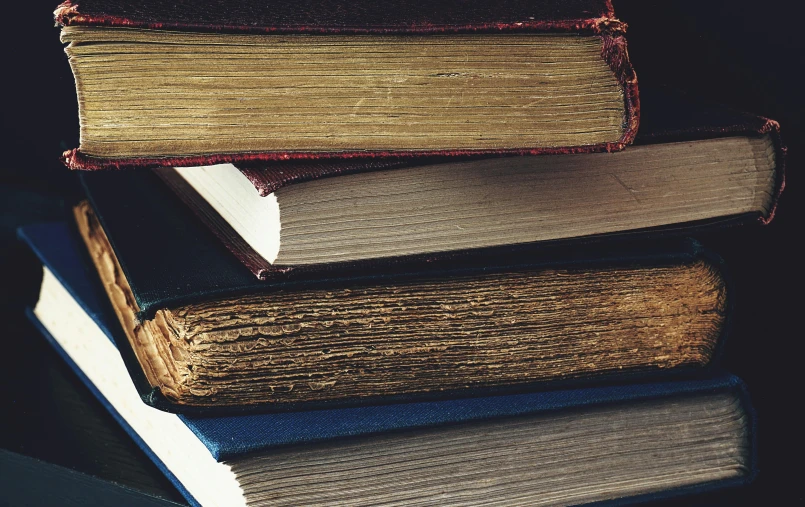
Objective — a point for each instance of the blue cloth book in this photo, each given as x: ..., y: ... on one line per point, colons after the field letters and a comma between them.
x: 614, y: 443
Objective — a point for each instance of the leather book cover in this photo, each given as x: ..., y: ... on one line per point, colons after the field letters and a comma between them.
x: 593, y: 17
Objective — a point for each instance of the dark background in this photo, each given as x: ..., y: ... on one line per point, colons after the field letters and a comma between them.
x: 747, y: 54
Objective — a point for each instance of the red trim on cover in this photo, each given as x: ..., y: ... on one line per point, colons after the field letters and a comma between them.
x: 614, y: 52
x: 75, y: 159
x: 772, y: 128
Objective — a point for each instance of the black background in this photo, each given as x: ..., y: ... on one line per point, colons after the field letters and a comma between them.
x: 747, y: 54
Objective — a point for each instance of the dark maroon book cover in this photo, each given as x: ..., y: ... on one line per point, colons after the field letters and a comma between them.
x: 595, y: 17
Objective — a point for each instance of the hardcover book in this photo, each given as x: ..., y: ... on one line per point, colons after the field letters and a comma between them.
x: 693, y: 164
x: 205, y: 334
x: 61, y: 446
x: 62, y: 424
x: 208, y: 82
x: 621, y: 443
x: 22, y: 479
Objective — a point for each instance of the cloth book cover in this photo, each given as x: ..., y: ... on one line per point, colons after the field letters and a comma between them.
x: 393, y: 18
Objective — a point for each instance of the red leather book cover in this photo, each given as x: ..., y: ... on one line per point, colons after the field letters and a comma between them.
x: 594, y: 17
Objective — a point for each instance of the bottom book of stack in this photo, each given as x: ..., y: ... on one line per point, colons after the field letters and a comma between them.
x: 618, y: 443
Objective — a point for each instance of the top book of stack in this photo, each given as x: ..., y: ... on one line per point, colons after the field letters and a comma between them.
x: 199, y: 83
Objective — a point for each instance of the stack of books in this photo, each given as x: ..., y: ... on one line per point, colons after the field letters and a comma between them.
x: 395, y: 253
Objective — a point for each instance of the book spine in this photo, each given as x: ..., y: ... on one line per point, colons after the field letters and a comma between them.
x: 772, y: 128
